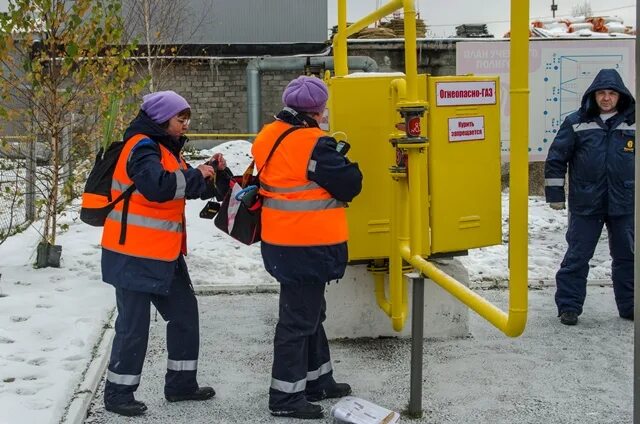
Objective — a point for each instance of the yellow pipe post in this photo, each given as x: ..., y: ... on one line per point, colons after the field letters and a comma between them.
x: 340, y: 63
x: 519, y: 173
x: 410, y: 60
x: 399, y: 236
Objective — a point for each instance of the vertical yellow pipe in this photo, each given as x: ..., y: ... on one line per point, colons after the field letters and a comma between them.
x: 381, y: 298
x: 411, y: 62
x: 400, y: 221
x: 416, y: 169
x: 340, y: 42
x: 519, y: 168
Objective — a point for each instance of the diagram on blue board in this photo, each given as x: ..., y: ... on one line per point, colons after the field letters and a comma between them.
x: 566, y: 78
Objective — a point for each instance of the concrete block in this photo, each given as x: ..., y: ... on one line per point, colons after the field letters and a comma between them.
x: 352, y: 310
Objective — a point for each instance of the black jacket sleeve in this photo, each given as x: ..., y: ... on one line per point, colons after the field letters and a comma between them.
x: 333, y: 171
x: 555, y: 167
x: 154, y: 182
x: 221, y: 186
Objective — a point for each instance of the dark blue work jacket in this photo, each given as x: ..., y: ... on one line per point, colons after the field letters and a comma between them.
x: 157, y: 185
x: 600, y: 155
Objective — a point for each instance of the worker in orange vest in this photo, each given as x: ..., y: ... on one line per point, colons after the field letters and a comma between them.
x: 143, y: 248
x: 306, y: 185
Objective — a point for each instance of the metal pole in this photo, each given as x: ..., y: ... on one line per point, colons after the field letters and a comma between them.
x: 417, y: 339
x: 554, y: 7
x: 30, y: 186
x: 636, y: 259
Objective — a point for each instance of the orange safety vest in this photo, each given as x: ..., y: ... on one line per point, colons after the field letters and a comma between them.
x: 151, y: 230
x: 295, y: 210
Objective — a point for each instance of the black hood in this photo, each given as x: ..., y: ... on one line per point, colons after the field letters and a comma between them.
x: 142, y: 124
x: 607, y: 79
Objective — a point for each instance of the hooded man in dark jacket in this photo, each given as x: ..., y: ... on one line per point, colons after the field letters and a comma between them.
x: 597, y: 142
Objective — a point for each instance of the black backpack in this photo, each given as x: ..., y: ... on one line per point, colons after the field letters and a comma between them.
x: 96, y: 197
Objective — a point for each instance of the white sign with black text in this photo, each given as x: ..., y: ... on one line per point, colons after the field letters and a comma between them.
x: 466, y: 93
x: 467, y: 128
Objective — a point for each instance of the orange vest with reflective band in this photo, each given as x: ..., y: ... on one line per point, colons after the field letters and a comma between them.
x: 296, y: 211
x: 154, y: 230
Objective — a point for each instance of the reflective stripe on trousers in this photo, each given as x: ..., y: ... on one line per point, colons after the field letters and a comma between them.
x: 300, y: 385
x: 125, y: 380
x: 182, y: 365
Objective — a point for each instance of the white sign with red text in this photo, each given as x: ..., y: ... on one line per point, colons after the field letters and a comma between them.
x: 465, y: 93
x: 466, y: 129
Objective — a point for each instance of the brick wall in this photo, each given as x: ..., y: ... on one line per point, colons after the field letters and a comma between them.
x: 217, y: 88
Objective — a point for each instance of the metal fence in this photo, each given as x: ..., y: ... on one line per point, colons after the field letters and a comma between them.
x: 18, y: 163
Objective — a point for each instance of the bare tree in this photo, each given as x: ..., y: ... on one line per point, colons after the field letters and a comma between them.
x: 164, y: 28
x: 60, y: 63
x: 582, y: 9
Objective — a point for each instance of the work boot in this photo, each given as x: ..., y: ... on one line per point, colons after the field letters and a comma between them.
x: 627, y: 316
x: 569, y: 318
x: 337, y: 390
x: 129, y: 409
x: 202, y: 393
x: 308, y: 411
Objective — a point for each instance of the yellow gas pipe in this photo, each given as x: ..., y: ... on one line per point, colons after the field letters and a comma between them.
x: 513, y: 323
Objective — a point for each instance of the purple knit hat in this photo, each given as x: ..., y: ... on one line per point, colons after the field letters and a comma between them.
x: 306, y: 94
x: 163, y: 105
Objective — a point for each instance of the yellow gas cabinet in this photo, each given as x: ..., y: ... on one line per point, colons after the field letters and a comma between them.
x: 463, y: 124
x: 362, y: 109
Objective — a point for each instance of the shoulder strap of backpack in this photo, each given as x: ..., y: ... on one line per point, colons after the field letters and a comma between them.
x: 126, y: 195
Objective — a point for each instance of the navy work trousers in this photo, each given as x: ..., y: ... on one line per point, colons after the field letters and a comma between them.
x: 301, y: 358
x: 582, y: 236
x: 180, y: 310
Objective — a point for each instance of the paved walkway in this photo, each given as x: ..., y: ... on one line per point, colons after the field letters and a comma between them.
x: 551, y: 374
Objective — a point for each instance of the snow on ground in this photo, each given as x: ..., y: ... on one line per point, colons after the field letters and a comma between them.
x: 50, y: 319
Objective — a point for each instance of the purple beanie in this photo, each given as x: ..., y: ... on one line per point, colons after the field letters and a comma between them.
x: 306, y: 94
x: 163, y: 105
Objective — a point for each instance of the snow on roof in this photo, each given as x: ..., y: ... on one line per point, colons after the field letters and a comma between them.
x: 580, y: 26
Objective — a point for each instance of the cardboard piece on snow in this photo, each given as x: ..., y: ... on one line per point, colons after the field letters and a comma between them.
x: 353, y: 410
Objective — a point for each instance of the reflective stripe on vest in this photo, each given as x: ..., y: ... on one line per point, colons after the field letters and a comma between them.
x: 154, y: 230
x: 295, y: 211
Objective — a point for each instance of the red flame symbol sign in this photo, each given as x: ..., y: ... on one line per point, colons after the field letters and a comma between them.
x: 413, y: 127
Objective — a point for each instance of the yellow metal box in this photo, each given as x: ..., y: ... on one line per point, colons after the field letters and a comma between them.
x: 463, y: 127
x: 362, y: 108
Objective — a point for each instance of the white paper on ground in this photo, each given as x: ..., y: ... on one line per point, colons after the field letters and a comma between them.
x: 354, y: 410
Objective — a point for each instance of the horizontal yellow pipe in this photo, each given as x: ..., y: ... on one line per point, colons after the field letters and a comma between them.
x: 512, y: 325
x: 221, y: 135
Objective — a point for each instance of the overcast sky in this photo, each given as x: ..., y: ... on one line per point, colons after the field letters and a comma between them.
x: 442, y: 16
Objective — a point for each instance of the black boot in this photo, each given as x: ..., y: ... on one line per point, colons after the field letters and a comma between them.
x: 308, y: 411
x: 569, y: 318
x: 628, y: 316
x: 129, y: 409
x: 202, y: 393
x: 338, y: 390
